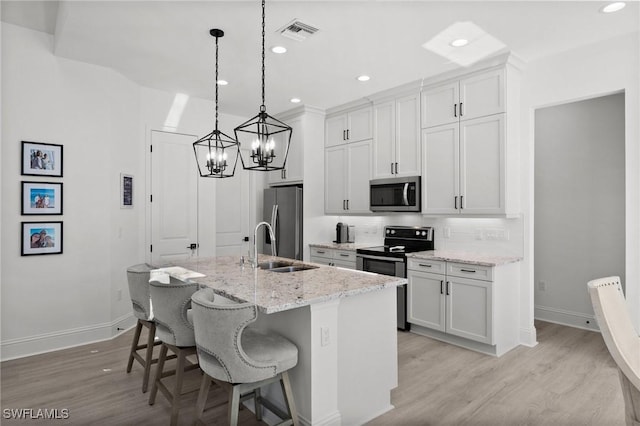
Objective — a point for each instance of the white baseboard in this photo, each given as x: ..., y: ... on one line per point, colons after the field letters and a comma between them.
x: 564, y: 317
x: 528, y: 337
x: 48, y: 342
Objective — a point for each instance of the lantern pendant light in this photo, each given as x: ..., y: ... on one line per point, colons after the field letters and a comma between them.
x: 267, y: 137
x: 216, y: 153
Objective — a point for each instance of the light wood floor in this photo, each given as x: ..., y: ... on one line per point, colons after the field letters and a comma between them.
x: 567, y: 379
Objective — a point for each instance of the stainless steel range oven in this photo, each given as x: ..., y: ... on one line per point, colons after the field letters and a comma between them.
x: 391, y: 259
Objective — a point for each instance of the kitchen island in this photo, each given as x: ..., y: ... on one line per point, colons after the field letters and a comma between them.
x: 343, y: 323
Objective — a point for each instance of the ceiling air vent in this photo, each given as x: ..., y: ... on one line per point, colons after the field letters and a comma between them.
x: 297, y: 30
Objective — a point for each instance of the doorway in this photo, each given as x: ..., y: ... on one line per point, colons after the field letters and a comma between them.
x: 579, y: 205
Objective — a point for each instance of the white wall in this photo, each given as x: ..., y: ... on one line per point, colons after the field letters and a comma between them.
x: 579, y: 205
x: 103, y: 121
x: 585, y: 72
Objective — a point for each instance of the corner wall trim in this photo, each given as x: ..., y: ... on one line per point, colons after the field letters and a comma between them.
x: 565, y: 317
x: 64, y: 339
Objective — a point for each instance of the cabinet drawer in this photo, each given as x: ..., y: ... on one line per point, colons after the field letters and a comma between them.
x: 433, y: 266
x: 344, y: 255
x: 320, y: 260
x: 466, y: 270
x: 321, y: 252
x: 347, y: 265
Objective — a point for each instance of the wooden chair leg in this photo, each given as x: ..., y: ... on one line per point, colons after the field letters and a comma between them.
x: 202, y: 395
x: 134, y: 345
x: 148, y: 357
x: 288, y: 396
x: 159, y: 368
x: 175, y: 403
x: 258, y: 405
x: 234, y: 406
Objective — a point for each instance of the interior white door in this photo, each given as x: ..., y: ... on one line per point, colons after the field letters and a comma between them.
x: 233, y: 213
x: 174, y: 197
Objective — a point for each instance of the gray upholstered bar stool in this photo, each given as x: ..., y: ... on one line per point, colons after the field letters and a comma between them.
x: 138, y: 279
x: 238, y: 357
x: 171, y: 303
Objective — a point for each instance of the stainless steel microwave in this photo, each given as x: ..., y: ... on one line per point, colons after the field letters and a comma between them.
x: 395, y: 194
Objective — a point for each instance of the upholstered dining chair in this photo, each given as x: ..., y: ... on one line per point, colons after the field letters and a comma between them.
x: 138, y: 279
x: 621, y: 339
x: 240, y: 358
x: 174, y: 328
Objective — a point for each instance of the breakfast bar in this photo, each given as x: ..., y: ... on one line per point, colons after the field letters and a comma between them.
x: 342, y: 321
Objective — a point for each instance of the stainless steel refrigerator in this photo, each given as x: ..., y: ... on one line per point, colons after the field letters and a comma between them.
x: 283, y: 210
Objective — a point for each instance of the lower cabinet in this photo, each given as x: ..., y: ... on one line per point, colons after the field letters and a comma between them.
x: 333, y: 257
x: 464, y: 304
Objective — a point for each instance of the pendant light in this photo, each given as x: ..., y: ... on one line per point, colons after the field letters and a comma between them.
x: 216, y: 153
x: 268, y: 137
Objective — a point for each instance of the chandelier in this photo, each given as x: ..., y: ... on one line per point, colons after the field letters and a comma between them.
x: 216, y: 153
x: 268, y: 137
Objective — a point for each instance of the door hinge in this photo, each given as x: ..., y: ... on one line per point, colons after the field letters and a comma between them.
x: 151, y: 248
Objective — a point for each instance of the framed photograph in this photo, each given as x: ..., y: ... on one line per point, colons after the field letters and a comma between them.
x: 41, y: 159
x: 41, y: 198
x: 41, y: 238
x: 126, y: 191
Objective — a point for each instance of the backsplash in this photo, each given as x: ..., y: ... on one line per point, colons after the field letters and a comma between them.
x: 487, y: 235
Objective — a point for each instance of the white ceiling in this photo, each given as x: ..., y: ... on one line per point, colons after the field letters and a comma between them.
x: 166, y: 44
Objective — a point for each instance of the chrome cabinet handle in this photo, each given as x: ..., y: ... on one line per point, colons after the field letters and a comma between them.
x: 455, y: 110
x: 441, y: 286
x: 426, y: 266
x: 448, y: 288
x: 347, y: 204
x: 455, y: 202
x: 347, y: 134
x: 391, y: 168
x: 461, y: 202
x: 461, y: 114
x: 396, y: 168
x: 468, y: 270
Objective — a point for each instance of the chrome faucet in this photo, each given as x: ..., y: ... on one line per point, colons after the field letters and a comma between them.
x: 254, y: 261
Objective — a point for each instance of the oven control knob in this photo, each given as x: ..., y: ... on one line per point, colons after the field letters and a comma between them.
x: 424, y: 233
x: 393, y: 231
x: 388, y: 231
x: 417, y: 232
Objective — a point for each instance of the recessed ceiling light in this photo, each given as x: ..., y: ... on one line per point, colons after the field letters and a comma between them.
x: 278, y: 49
x: 294, y: 100
x: 613, y: 7
x: 222, y: 82
x: 364, y: 78
x: 460, y: 42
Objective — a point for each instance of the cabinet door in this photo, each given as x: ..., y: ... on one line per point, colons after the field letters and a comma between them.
x: 384, y: 136
x: 440, y: 105
x: 360, y: 125
x: 335, y: 166
x: 358, y: 176
x: 278, y: 176
x: 426, y: 303
x: 470, y: 309
x: 482, y: 165
x: 440, y: 169
x: 482, y: 95
x: 407, y: 136
x: 336, y: 130
x: 294, y: 168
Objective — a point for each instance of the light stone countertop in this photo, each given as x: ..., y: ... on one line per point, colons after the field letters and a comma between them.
x: 274, y: 291
x: 472, y: 258
x: 341, y: 246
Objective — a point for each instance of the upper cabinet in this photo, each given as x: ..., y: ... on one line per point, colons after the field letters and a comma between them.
x: 352, y: 126
x: 476, y: 96
x: 396, y: 137
x: 347, y: 174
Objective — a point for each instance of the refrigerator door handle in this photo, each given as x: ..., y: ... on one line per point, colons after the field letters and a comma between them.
x: 274, y: 225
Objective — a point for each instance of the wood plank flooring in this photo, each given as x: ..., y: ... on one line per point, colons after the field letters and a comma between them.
x: 569, y: 379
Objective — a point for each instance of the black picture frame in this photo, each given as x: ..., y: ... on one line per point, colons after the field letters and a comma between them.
x: 41, y: 198
x: 41, y: 159
x: 40, y: 238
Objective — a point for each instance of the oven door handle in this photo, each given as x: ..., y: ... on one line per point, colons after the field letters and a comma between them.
x: 386, y: 259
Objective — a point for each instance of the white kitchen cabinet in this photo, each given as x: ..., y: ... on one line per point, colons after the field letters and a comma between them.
x: 475, y: 96
x: 293, y: 171
x: 465, y: 304
x: 349, y: 127
x: 464, y: 167
x: 396, y: 137
x: 333, y: 257
x: 347, y: 174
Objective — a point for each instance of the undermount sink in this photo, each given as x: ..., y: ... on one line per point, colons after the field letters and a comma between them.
x: 293, y: 268
x: 272, y: 264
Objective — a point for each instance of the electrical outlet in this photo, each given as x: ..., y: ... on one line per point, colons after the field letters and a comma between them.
x: 542, y: 286
x: 324, y: 336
